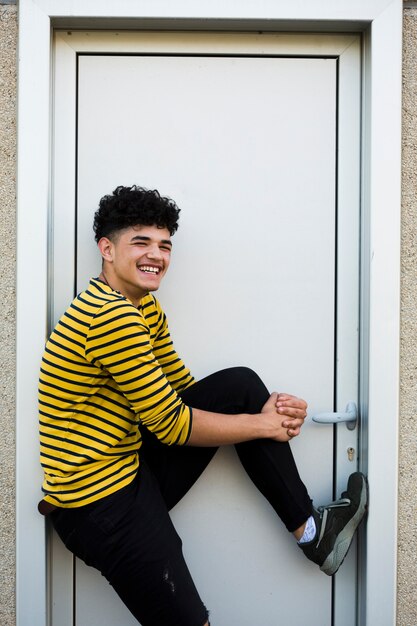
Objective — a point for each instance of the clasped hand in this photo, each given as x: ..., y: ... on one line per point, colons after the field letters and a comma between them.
x: 293, y: 411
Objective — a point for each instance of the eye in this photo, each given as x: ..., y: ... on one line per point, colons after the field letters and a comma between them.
x: 165, y: 248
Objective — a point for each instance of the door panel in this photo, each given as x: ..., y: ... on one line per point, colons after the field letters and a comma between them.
x: 246, y: 144
x: 247, y: 148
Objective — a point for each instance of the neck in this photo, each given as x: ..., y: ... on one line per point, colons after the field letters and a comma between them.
x: 103, y: 279
x: 112, y: 283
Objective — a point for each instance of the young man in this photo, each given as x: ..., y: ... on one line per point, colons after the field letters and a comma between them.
x: 126, y: 430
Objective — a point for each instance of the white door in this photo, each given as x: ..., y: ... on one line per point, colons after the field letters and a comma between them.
x: 256, y: 140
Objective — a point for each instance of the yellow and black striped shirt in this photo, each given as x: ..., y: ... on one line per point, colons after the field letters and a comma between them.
x: 107, y: 368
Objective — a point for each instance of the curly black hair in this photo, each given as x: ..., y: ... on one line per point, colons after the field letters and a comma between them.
x: 131, y: 206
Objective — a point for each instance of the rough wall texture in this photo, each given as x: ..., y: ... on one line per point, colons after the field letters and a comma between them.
x: 8, y: 39
x: 407, y: 539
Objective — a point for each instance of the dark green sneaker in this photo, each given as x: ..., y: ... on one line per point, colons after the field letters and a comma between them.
x: 336, y: 524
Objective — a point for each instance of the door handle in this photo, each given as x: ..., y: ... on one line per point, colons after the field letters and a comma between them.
x: 350, y: 417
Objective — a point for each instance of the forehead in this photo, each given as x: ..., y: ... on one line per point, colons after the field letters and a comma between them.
x: 139, y: 231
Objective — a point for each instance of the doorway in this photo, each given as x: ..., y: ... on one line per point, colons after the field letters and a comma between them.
x: 249, y: 136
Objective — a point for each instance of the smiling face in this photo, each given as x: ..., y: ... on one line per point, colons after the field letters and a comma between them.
x: 136, y: 259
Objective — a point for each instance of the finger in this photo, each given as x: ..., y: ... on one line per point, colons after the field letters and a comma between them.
x: 297, y: 423
x: 296, y: 405
x: 293, y: 432
x: 291, y: 402
x: 272, y: 400
x: 288, y: 397
x: 292, y: 412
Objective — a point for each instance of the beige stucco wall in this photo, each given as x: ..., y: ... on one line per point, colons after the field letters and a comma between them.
x: 407, y: 554
x: 407, y: 535
x: 8, y: 37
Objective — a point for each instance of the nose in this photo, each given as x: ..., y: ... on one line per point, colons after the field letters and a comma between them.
x: 154, y: 252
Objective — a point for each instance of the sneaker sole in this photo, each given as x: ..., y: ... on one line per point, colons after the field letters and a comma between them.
x: 337, y: 556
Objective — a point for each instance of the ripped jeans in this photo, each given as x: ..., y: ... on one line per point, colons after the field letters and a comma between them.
x: 129, y: 537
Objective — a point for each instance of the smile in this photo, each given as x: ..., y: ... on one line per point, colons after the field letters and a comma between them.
x: 149, y: 269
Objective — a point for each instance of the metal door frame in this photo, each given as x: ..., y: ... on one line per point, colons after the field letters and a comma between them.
x: 380, y: 21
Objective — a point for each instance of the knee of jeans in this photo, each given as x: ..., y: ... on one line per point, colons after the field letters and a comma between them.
x: 243, y: 372
x: 247, y: 376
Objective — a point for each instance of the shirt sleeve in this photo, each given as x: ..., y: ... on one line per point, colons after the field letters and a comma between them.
x: 173, y: 367
x: 119, y: 342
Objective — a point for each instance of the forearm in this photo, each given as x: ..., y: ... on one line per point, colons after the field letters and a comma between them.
x: 216, y: 429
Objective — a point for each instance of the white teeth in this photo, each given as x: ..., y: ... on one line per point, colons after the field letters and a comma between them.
x: 148, y: 268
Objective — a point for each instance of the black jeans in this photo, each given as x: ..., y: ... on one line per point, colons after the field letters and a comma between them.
x: 129, y: 537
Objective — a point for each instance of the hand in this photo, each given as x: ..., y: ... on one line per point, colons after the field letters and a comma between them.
x: 294, y: 411
x: 272, y: 420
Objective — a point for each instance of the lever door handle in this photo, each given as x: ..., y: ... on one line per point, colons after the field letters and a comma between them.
x: 350, y: 417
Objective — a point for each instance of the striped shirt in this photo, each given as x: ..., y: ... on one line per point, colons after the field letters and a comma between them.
x: 108, y: 367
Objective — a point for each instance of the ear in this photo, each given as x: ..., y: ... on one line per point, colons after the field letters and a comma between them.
x: 106, y: 249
